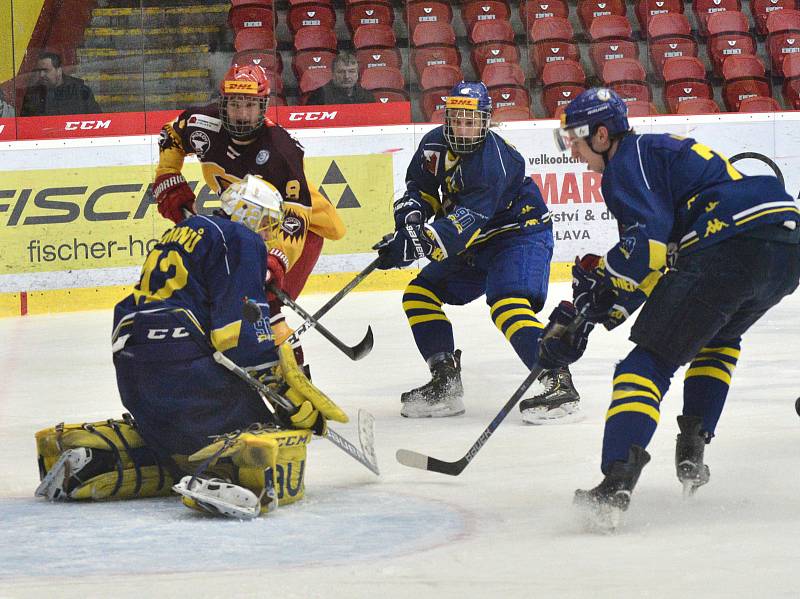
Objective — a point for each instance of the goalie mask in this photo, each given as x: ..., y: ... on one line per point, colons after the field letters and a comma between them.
x: 467, y: 115
x: 255, y: 203
x: 244, y: 99
x: 592, y: 108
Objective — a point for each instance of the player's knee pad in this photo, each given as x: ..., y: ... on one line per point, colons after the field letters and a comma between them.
x: 119, y: 467
x: 258, y: 459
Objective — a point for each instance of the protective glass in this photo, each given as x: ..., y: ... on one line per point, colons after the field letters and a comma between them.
x: 564, y: 138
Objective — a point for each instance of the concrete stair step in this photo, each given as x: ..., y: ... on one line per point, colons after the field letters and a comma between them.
x: 153, y: 82
x: 135, y: 102
x: 113, y: 60
x: 137, y: 38
x: 207, y: 14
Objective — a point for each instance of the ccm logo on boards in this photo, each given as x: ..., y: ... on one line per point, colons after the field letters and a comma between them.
x: 86, y: 125
x: 313, y: 116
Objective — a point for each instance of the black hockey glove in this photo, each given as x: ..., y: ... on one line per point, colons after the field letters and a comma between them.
x: 592, y: 294
x: 402, y: 248
x: 408, y: 211
x: 559, y: 346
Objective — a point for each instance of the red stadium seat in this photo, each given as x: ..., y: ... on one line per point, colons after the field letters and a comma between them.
x: 419, y: 12
x: 433, y: 100
x: 270, y: 60
x: 763, y: 8
x: 437, y: 118
x: 530, y: 10
x: 562, y: 82
x: 440, y: 76
x: 678, y: 92
x: 552, y: 41
x: 698, y: 106
x: 312, y: 80
x: 628, y: 78
x: 309, y: 60
x: 374, y: 36
x: 684, y: 68
x: 728, y: 36
x: 641, y: 108
x: 784, y: 37
x: 705, y: 8
x: 315, y: 38
x: 433, y: 34
x: 670, y: 37
x: 510, y: 96
x: 475, y: 11
x: 369, y: 58
x: 254, y: 38
x: 293, y: 3
x: 385, y: 96
x: 249, y: 15
x: 491, y: 31
x: 744, y: 77
x: 503, y: 74
x: 310, y: 15
x: 511, y: 113
x: 368, y: 13
x: 264, y: 3
x: 791, y: 85
x: 428, y: 56
x: 759, y: 104
x: 589, y: 10
x: 611, y: 40
x: 383, y: 78
x: 493, y: 53
x: 645, y: 9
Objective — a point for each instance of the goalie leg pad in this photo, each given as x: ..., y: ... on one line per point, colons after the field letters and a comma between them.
x: 98, y: 460
x: 259, y: 459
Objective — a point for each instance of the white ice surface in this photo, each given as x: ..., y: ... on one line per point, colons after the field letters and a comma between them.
x: 504, y: 528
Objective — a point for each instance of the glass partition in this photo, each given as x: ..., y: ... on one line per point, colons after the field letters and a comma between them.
x: 8, y: 100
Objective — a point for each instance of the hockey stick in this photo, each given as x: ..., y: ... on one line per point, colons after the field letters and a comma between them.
x: 366, y: 423
x: 356, y: 352
x: 346, y: 289
x: 413, y: 459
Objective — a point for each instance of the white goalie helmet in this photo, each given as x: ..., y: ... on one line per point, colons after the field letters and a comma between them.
x: 255, y: 203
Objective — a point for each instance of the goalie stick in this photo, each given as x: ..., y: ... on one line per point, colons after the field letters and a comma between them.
x: 366, y: 422
x: 355, y: 352
x: 413, y: 459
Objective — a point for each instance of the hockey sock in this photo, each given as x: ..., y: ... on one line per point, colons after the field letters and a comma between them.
x: 640, y: 382
x: 707, y: 382
x: 515, y: 318
x: 432, y: 331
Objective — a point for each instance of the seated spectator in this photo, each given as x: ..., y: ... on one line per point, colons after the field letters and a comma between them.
x: 6, y: 109
x: 343, y: 88
x: 53, y: 92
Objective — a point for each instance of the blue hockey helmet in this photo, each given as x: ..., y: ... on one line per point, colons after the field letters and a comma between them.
x: 467, y: 115
x: 594, y: 107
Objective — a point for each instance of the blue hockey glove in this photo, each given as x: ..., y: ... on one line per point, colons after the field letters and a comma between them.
x: 408, y: 211
x: 402, y: 248
x: 592, y: 294
x: 560, y: 345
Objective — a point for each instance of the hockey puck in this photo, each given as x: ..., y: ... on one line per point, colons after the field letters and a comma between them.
x: 797, y: 406
x: 251, y: 311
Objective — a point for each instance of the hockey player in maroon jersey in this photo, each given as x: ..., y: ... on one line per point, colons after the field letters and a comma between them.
x: 233, y: 138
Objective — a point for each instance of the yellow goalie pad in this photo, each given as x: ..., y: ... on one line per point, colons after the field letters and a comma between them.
x: 248, y: 458
x: 113, y: 474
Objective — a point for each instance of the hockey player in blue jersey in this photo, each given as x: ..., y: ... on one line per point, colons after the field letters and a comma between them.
x: 191, y: 415
x: 732, y: 242
x: 470, y: 210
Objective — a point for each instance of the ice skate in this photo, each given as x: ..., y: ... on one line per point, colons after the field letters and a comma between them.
x: 603, y: 505
x: 56, y: 484
x: 689, y: 447
x: 442, y: 396
x: 221, y: 498
x: 559, y: 402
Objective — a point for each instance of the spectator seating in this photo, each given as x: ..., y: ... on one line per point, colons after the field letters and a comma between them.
x: 492, y: 43
x: 698, y: 106
x: 254, y: 38
x: 531, y: 10
x: 384, y: 80
x: 315, y: 38
x: 627, y: 77
x: 684, y: 79
x: 268, y: 59
x: 728, y: 35
x: 316, y: 14
x: 589, y: 10
x: 433, y: 103
x: 476, y: 11
x: 510, y: 97
x: 309, y: 60
x: 761, y: 10
x: 552, y: 40
x: 641, y: 108
x: 503, y: 74
x: 670, y: 37
x: 368, y: 13
x: 418, y: 12
x: 783, y: 37
x: 369, y: 58
x: 562, y: 82
x: 441, y: 76
x: 759, y: 104
x: 791, y: 83
x: 645, y: 9
x: 703, y: 9
x: 744, y: 76
x: 244, y: 16
x: 511, y: 113
x: 611, y: 39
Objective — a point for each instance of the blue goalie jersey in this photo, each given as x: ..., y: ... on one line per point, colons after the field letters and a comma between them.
x: 669, y: 192
x: 476, y: 196
x: 198, y: 276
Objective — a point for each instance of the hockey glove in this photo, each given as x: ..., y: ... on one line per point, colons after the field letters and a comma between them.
x: 559, y: 347
x: 173, y: 194
x: 404, y: 247
x: 408, y: 211
x: 591, y: 291
x: 277, y: 265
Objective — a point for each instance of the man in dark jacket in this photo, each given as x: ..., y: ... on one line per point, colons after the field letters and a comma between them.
x: 344, y: 87
x: 53, y: 92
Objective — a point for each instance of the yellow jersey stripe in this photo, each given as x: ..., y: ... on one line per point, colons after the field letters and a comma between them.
x: 636, y: 379
x: 422, y: 291
x: 501, y: 320
x: 714, y: 373
x: 226, y: 337
x: 641, y: 408
x: 426, y: 318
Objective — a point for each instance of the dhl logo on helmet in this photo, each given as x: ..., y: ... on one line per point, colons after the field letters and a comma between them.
x: 459, y: 102
x: 240, y: 87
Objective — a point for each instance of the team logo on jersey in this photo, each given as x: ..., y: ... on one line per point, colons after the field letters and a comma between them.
x: 431, y: 161
x: 262, y: 157
x: 200, y: 143
x: 205, y: 122
x: 168, y: 138
x: 292, y: 226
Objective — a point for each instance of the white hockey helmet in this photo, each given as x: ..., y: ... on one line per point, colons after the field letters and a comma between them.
x: 255, y: 203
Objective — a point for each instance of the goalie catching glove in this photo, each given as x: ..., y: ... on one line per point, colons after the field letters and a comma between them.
x: 173, y: 195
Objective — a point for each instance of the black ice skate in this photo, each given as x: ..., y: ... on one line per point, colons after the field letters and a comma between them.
x: 604, y: 504
x: 558, y: 400
x: 442, y: 396
x: 689, y: 447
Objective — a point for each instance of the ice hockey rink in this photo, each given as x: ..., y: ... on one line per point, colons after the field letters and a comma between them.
x: 504, y: 528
